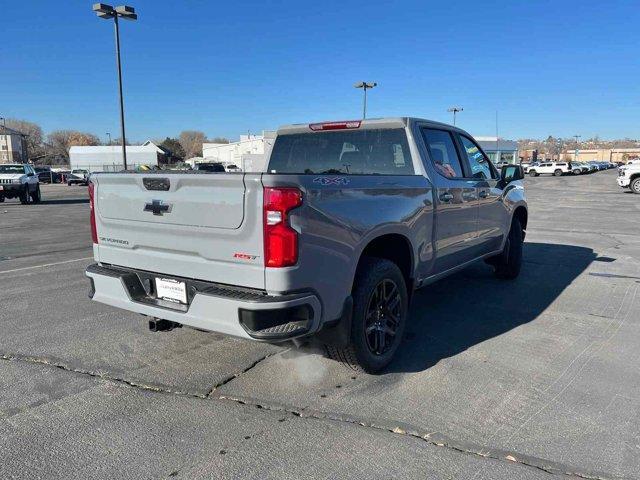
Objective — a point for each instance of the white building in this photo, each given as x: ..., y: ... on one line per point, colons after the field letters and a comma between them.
x: 249, y: 153
x: 108, y: 158
x: 498, y: 149
x: 13, y: 146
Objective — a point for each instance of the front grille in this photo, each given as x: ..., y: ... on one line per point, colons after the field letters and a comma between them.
x: 6, y: 181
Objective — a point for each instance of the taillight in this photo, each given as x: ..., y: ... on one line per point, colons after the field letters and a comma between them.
x: 92, y: 215
x: 280, y: 240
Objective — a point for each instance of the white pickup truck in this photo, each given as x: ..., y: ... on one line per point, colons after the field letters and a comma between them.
x: 629, y: 176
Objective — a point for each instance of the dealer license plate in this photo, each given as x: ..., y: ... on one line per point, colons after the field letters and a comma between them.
x: 172, y: 290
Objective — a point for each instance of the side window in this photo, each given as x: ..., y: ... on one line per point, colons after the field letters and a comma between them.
x: 478, y: 163
x: 443, y: 152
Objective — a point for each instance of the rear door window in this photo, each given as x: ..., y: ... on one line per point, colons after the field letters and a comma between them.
x: 443, y: 153
x: 344, y: 152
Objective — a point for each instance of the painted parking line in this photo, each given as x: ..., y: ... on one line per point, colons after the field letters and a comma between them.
x: 46, y: 265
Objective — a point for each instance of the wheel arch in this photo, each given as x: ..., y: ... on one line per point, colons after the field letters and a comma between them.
x: 394, y: 247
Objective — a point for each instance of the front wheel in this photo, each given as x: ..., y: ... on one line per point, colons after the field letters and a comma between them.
x: 25, y: 196
x: 557, y: 173
x: 634, y: 186
x: 36, y: 196
x: 533, y: 173
x: 507, y: 265
x: 380, y: 304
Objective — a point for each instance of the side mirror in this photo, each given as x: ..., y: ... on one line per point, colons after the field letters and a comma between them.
x: 30, y: 174
x: 511, y: 173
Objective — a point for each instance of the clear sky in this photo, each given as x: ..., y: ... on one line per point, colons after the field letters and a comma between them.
x: 549, y: 67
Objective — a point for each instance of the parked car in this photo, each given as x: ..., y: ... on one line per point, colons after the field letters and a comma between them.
x: 326, y: 245
x: 233, y: 168
x: 629, y: 177
x: 552, y: 168
x: 78, y: 177
x: 210, y: 167
x: 527, y: 166
x: 49, y: 176
x: 19, y: 180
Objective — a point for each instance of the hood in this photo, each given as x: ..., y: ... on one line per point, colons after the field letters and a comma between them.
x: 11, y: 176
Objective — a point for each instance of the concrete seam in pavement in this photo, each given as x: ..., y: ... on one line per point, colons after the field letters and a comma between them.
x: 398, y: 428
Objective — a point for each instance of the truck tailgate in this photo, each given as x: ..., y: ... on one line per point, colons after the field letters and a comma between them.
x: 205, y: 226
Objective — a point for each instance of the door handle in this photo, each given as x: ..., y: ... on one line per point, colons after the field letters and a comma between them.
x: 483, y: 194
x: 446, y: 197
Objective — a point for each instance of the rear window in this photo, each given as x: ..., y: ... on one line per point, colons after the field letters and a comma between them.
x: 357, y: 152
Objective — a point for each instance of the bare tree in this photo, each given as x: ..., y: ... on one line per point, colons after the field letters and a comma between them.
x: 191, y: 141
x: 60, y: 141
x: 33, y: 133
x: 220, y: 140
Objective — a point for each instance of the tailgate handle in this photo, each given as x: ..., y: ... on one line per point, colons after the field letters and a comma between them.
x: 161, y: 184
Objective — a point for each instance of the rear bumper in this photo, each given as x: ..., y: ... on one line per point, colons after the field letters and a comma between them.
x: 241, y: 312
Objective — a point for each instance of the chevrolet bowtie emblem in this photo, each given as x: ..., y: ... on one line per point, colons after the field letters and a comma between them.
x: 157, y: 207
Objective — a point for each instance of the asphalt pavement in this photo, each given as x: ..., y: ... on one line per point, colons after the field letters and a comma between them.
x: 530, y: 379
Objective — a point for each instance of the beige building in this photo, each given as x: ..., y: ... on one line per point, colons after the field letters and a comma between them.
x: 13, y: 146
x: 603, y: 155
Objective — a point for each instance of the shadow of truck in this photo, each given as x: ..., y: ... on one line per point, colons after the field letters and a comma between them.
x: 472, y: 306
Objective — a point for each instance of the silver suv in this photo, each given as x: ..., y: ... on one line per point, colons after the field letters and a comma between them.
x: 327, y: 245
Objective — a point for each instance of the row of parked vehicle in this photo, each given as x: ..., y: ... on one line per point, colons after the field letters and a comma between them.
x: 565, y: 168
x: 70, y: 177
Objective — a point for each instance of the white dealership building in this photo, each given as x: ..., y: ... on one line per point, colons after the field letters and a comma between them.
x: 108, y: 158
x: 249, y: 153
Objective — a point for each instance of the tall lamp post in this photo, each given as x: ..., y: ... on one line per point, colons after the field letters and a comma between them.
x: 365, y: 86
x: 108, y: 134
x: 6, y: 138
x: 128, y: 13
x: 575, y: 156
x: 455, y: 110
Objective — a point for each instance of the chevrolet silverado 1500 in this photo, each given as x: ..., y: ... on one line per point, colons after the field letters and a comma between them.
x: 328, y: 244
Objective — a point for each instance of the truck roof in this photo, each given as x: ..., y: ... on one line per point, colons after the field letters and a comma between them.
x: 369, y: 123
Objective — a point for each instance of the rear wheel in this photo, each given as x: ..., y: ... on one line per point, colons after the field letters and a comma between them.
x: 634, y: 186
x: 507, y: 265
x: 557, y: 173
x: 380, y: 303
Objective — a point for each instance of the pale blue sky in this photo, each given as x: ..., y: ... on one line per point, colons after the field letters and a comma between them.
x: 548, y: 67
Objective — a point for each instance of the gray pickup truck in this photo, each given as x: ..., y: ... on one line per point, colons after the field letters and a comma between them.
x: 327, y: 245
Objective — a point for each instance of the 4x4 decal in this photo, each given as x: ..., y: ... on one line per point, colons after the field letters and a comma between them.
x: 331, y: 180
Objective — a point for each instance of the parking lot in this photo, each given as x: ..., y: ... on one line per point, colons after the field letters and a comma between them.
x: 498, y: 380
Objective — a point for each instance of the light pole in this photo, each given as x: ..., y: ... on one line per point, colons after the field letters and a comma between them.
x: 128, y: 13
x: 575, y: 156
x: 455, y: 110
x: 6, y: 138
x: 108, y: 134
x: 365, y: 86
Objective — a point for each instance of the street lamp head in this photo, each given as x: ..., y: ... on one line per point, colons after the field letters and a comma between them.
x: 103, y: 10
x: 455, y: 109
x: 358, y: 84
x: 365, y: 84
x: 127, y: 12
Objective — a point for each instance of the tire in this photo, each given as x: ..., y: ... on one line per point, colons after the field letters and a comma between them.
x: 25, y: 196
x: 377, y: 326
x: 533, y: 173
x: 557, y: 173
x: 577, y: 172
x: 1, y: 199
x: 507, y: 265
x: 36, y: 196
x: 634, y: 186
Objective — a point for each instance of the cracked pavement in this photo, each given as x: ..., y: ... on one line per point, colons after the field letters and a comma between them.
x: 524, y: 380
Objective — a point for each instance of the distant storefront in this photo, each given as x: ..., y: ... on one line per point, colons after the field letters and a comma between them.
x: 499, y: 150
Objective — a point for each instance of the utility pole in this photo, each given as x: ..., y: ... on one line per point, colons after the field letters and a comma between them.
x: 455, y: 110
x: 365, y: 86
x: 577, y: 151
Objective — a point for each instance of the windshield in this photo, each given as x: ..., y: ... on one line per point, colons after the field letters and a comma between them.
x: 11, y: 169
x: 364, y: 152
